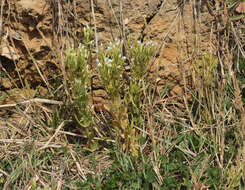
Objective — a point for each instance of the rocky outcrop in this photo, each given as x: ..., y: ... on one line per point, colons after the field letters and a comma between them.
x: 36, y: 33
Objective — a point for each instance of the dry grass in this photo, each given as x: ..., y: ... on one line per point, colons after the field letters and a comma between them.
x: 191, y: 142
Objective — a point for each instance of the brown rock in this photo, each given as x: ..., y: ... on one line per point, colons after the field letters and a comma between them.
x: 47, y: 34
x: 6, y: 83
x: 100, y: 93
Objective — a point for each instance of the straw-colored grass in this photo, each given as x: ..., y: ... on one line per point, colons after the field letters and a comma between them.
x: 142, y: 137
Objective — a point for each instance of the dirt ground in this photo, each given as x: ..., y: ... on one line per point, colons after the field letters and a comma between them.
x: 35, y: 35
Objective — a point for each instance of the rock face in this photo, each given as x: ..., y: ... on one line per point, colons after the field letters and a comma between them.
x: 36, y: 33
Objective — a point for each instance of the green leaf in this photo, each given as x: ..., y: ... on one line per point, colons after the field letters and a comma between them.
x: 150, y: 176
x: 237, y: 17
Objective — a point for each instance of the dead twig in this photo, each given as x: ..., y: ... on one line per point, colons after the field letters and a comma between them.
x: 36, y: 100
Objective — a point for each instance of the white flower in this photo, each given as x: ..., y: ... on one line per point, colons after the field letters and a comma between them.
x: 118, y: 42
x: 85, y: 52
x: 81, y: 46
x: 99, y: 64
x: 73, y: 54
x: 77, y: 81
x: 108, y: 48
x: 150, y: 43
x: 139, y: 42
x: 108, y: 61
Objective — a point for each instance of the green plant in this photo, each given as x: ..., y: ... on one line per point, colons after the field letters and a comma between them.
x: 125, y: 173
x: 78, y: 61
x: 126, y: 111
x: 205, y: 83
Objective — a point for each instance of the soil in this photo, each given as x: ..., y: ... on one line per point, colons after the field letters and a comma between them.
x: 35, y: 35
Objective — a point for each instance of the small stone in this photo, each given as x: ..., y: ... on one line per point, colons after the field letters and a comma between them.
x: 6, y: 83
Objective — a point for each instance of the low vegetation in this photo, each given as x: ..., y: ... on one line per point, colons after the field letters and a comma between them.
x: 139, y: 138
